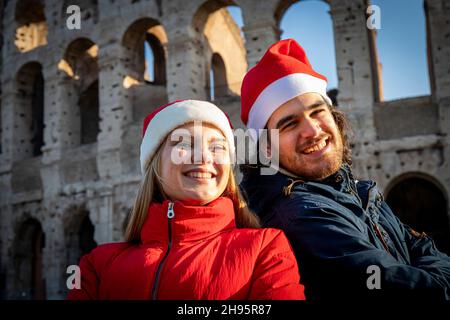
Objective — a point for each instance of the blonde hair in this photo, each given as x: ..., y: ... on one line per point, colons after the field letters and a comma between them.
x: 150, y: 190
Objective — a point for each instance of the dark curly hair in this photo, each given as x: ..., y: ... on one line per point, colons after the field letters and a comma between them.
x: 346, y: 132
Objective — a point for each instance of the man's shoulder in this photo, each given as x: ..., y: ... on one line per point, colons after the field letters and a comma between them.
x: 304, y: 201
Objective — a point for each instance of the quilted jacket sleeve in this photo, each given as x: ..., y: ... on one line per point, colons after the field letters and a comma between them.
x: 89, y: 281
x: 328, y: 236
x: 91, y: 266
x: 276, y: 275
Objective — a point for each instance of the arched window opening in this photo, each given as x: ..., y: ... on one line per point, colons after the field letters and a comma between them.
x: 89, y: 113
x: 155, y: 62
x: 218, y: 78
x: 29, y: 281
x: 144, y: 52
x: 79, y: 234
x: 86, y: 236
x: 219, y: 26
x: 419, y: 203
x: 80, y: 64
x: 37, y: 108
x: 29, y: 115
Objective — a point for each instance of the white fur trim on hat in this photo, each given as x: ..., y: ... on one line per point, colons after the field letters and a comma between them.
x: 280, y: 92
x: 177, y: 114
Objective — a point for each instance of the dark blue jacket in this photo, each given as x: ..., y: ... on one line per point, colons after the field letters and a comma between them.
x: 338, y: 228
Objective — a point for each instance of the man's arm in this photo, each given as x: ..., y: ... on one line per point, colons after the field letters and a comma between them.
x: 341, y: 248
x: 422, y: 249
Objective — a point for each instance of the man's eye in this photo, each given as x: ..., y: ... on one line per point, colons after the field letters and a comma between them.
x: 288, y: 125
x: 317, y: 112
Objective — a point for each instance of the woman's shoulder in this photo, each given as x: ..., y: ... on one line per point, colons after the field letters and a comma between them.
x: 265, y: 236
x: 107, y: 251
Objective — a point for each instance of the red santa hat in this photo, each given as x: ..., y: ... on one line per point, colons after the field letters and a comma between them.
x: 162, y: 121
x: 283, y: 73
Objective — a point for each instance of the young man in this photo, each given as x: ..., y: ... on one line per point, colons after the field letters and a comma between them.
x: 348, y: 242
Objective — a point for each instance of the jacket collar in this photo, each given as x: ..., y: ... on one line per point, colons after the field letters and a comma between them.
x: 190, y: 222
x: 342, y: 180
x: 261, y: 190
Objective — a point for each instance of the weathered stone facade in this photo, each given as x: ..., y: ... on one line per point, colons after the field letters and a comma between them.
x: 72, y: 102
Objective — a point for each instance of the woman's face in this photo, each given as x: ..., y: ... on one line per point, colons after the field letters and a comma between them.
x: 195, y: 163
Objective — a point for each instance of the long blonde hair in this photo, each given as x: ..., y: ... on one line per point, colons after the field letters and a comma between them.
x: 150, y: 190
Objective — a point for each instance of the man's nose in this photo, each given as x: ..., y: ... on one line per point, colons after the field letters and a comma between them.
x: 309, y: 128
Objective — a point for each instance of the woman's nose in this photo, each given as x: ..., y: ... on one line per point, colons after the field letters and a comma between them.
x: 202, y: 154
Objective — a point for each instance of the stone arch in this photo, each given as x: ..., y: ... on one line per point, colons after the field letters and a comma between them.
x: 29, y: 281
x: 283, y: 5
x: 31, y: 25
x: 89, y: 9
x: 79, y: 234
x: 420, y: 201
x: 80, y: 65
x: 203, y: 12
x: 29, y: 111
x: 142, y: 33
x: 221, y: 37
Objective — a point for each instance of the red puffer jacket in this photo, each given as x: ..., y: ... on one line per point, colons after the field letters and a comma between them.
x: 198, y: 253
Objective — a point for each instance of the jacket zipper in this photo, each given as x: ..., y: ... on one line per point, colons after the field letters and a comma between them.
x: 375, y: 226
x: 170, y: 215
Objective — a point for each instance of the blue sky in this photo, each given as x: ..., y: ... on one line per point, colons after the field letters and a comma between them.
x: 401, y: 43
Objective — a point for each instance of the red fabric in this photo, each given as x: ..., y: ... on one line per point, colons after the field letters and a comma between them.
x: 283, y: 58
x: 210, y: 259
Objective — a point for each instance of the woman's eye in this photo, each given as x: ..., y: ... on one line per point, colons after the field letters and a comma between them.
x: 184, y: 145
x: 218, y: 147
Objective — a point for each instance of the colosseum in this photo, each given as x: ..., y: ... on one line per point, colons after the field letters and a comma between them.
x: 73, y: 99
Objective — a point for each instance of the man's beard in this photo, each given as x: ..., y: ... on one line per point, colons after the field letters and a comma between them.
x: 329, y: 164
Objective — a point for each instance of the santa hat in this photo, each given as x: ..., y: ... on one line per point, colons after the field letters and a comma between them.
x: 162, y: 121
x: 283, y: 73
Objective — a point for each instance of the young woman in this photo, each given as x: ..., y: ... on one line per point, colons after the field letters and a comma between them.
x: 190, y: 234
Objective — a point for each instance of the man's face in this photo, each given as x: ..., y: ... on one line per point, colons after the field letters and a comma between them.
x: 310, y: 144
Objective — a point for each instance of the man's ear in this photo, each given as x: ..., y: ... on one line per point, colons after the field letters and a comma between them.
x: 265, y: 145
x: 268, y: 150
